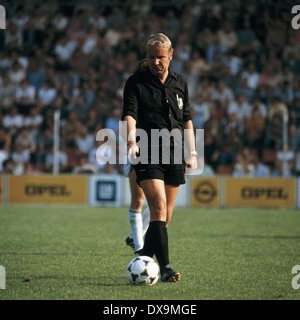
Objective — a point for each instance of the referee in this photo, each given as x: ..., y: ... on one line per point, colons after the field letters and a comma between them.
x: 156, y: 98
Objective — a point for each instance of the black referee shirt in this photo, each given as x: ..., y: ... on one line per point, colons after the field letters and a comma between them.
x: 155, y: 105
x: 158, y: 106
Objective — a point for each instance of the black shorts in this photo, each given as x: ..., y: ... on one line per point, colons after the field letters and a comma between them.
x: 171, y: 174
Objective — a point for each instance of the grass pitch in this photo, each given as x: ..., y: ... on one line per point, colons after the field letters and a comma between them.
x: 79, y: 253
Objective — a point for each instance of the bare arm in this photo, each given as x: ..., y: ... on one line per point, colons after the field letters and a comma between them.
x: 130, y: 135
x: 190, y: 146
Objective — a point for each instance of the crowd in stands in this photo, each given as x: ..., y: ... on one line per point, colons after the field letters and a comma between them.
x: 241, y: 60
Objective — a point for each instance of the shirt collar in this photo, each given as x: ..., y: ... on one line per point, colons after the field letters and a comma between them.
x: 171, y: 74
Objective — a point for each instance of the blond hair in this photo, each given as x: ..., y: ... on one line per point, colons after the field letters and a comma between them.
x: 161, y: 40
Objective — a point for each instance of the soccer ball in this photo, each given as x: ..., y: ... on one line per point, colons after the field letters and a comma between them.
x: 143, y: 270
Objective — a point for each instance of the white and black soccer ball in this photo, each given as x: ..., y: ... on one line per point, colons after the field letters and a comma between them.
x: 143, y: 270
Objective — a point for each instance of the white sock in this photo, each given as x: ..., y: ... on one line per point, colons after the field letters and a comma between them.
x: 146, y: 220
x: 136, y: 228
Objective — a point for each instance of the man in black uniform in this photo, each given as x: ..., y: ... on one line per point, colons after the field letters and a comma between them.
x: 155, y: 99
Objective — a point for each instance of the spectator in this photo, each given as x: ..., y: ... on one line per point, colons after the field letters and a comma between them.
x: 223, y: 94
x: 285, y: 92
x: 13, y: 121
x: 20, y: 156
x: 273, y: 136
x: 59, y: 22
x: 243, y: 166
x: 254, y: 131
x: 64, y: 49
x: 206, y: 89
x: 246, y: 37
x: 293, y: 63
x: 21, y: 19
x: 294, y: 137
x: 88, y: 92
x: 91, y: 41
x: 229, y: 147
x: 112, y: 122
x: 5, y: 140
x: 295, y: 112
x: 183, y: 48
x: 80, y: 107
x: 98, y: 20
x: 201, y: 112
x: 261, y: 107
x: 93, y: 121
x: 25, y: 97
x: 71, y: 128
x: 79, y: 62
x: 43, y: 140
x: 30, y: 169
x: 228, y: 36
x: 26, y: 141
x: 33, y: 122
x: 7, y: 93
x: 16, y: 74
x: 233, y: 62
x: 85, y: 141
x: 5, y: 145
x: 203, y: 39
x: 47, y: 94
x: 215, y: 46
x: 252, y: 75
x: 36, y: 73
x: 282, y: 170
x: 13, y: 38
x: 49, y: 160
x: 211, y: 151
x: 260, y: 169
x: 8, y: 166
x: 84, y: 167
x: 177, y: 64
x: 268, y: 76
x: 277, y: 107
x: 285, y: 75
x: 241, y: 107
x: 244, y: 89
x: 113, y: 35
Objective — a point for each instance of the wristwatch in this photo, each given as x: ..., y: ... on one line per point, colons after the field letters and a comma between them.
x: 194, y: 153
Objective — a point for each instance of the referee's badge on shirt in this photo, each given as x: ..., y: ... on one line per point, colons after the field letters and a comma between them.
x: 179, y: 101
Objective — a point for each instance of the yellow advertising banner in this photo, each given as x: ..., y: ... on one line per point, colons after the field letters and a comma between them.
x: 1, y: 189
x: 64, y: 189
x: 260, y: 192
x: 205, y: 192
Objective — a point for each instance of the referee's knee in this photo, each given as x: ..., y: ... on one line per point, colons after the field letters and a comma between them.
x: 159, y: 211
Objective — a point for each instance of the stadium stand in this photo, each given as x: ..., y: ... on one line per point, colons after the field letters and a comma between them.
x: 241, y: 60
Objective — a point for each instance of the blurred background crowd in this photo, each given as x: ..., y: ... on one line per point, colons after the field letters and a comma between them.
x: 241, y: 60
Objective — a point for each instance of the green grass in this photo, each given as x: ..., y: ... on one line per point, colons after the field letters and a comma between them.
x: 56, y: 252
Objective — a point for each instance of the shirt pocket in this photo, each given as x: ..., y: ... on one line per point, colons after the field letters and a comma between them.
x: 176, y: 102
x: 150, y: 101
